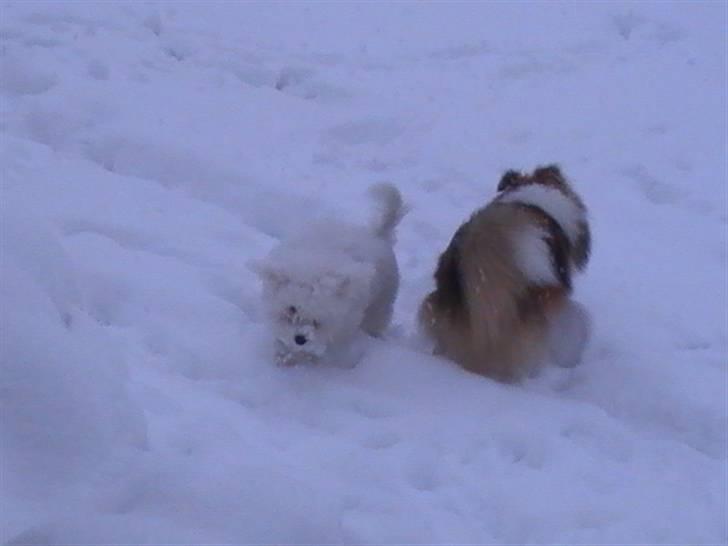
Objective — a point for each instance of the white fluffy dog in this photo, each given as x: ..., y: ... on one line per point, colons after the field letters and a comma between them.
x: 332, y: 282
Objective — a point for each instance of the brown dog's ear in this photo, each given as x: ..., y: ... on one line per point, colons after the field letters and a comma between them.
x: 548, y: 172
x: 509, y: 180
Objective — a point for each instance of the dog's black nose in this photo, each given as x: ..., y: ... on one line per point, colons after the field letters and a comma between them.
x: 299, y: 339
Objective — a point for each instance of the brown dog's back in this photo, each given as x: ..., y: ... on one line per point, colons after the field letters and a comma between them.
x: 504, y: 273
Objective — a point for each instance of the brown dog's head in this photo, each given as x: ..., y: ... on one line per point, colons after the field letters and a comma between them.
x: 549, y: 176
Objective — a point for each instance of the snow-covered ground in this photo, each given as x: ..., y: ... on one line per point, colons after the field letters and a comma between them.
x: 150, y: 151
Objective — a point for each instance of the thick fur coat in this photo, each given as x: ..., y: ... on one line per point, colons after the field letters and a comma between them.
x: 331, y: 282
x: 501, y: 303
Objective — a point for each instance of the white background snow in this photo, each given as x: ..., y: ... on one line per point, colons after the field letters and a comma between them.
x: 150, y: 151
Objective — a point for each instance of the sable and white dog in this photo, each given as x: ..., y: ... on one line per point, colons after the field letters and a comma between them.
x: 331, y: 283
x: 502, y: 303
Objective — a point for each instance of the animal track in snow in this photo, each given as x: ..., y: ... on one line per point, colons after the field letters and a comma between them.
x: 517, y: 448
x: 665, y: 34
x: 381, y: 440
x: 683, y: 165
x: 599, y: 440
x: 527, y: 65
x: 301, y: 82
x: 132, y: 240
x: 271, y: 212
x: 154, y: 23
x: 626, y: 23
x: 423, y: 475
x: 657, y: 129
x: 465, y: 51
x: 107, y: 299
x: 21, y: 77
x: 654, y: 190
x: 371, y: 409
x: 371, y: 131
x: 98, y: 70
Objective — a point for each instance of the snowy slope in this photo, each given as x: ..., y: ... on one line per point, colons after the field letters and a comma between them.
x: 150, y: 151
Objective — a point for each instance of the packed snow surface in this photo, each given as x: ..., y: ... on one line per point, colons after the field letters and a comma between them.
x: 152, y: 151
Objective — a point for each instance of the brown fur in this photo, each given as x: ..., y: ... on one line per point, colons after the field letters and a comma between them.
x: 484, y: 313
x: 552, y: 177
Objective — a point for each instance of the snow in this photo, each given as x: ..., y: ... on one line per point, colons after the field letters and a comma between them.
x: 152, y: 151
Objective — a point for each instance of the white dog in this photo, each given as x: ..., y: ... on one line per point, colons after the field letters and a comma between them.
x: 332, y: 282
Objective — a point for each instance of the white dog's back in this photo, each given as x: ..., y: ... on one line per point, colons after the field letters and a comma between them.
x: 370, y: 246
x: 332, y: 280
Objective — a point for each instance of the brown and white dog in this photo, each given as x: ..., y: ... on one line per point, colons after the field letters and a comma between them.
x: 501, y: 304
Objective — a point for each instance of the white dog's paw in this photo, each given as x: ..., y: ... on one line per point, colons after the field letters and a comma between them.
x: 285, y: 363
x: 286, y: 358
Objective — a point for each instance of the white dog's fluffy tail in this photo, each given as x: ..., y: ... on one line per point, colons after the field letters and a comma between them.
x: 389, y: 209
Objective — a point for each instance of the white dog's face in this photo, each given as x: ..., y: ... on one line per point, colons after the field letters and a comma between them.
x: 299, y: 338
x: 308, y: 317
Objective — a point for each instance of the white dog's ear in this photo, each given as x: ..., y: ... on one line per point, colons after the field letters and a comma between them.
x: 268, y: 273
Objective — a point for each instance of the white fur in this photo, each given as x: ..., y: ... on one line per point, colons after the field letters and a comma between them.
x: 569, y: 331
x: 389, y: 210
x: 554, y: 203
x: 332, y: 282
x: 533, y: 255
